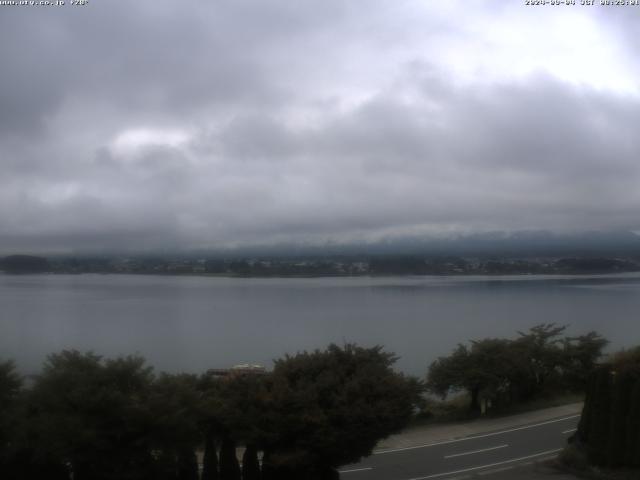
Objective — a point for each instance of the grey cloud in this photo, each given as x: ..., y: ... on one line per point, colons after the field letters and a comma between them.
x: 295, y: 130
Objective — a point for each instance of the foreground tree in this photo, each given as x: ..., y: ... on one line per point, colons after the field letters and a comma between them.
x: 539, y: 358
x: 232, y: 407
x: 175, y: 406
x: 210, y: 458
x: 609, y: 429
x: 250, y: 464
x: 505, y: 371
x: 581, y: 354
x: 92, y: 418
x: 92, y: 415
x: 10, y: 389
x: 229, y: 466
x: 329, y: 408
x: 484, y: 371
x: 20, y: 455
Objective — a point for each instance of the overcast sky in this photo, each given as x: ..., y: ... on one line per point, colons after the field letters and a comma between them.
x: 192, y: 123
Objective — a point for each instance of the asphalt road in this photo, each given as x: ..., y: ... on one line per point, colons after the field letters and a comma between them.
x: 478, y: 454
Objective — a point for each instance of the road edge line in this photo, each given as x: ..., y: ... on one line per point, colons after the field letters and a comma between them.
x: 436, y: 475
x: 473, y: 437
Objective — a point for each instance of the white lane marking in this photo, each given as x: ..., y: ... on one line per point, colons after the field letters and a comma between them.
x: 570, y: 430
x: 488, y: 466
x: 446, y: 442
x: 356, y: 470
x: 476, y: 451
x: 496, y: 470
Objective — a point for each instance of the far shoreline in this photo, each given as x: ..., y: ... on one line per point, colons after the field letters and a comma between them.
x: 550, y: 275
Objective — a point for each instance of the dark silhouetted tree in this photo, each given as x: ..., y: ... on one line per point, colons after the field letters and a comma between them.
x: 250, y: 464
x: 92, y: 414
x: 10, y: 389
x: 507, y: 371
x: 632, y: 449
x: 623, y: 384
x: 484, y: 371
x: 229, y: 466
x: 329, y: 408
x: 234, y: 405
x: 581, y: 354
x: 176, y: 408
x: 210, y: 459
x: 187, y: 465
x: 539, y: 358
x: 609, y: 425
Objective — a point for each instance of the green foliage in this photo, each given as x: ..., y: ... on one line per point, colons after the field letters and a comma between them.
x: 10, y: 384
x: 108, y: 419
x: 581, y: 354
x: 236, y: 403
x: 506, y: 371
x: 210, y: 459
x: 328, y: 408
x: 618, y: 423
x: 448, y: 374
x: 10, y: 389
x: 600, y: 400
x: 539, y: 359
x: 250, y: 464
x: 610, y: 422
x: 175, y: 405
x: 632, y: 450
x: 187, y: 465
x: 484, y: 369
x: 174, y: 402
x: 92, y: 414
x: 626, y: 359
x: 229, y: 466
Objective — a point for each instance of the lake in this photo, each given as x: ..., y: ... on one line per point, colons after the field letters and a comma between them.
x: 195, y: 323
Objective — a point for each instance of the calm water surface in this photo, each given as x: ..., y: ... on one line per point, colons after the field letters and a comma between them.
x: 195, y: 323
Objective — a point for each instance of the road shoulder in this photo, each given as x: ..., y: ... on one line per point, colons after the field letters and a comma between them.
x: 423, y: 435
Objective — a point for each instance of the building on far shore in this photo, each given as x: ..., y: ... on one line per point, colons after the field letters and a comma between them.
x: 240, y: 369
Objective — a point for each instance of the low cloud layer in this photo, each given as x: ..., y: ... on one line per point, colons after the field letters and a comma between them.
x: 144, y: 125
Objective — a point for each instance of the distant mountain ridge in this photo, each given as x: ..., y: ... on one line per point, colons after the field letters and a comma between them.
x: 498, y: 243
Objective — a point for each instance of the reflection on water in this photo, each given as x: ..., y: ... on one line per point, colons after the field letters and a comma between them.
x: 195, y: 323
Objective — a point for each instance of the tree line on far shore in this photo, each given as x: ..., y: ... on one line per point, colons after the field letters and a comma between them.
x: 88, y: 417
x: 316, y: 266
